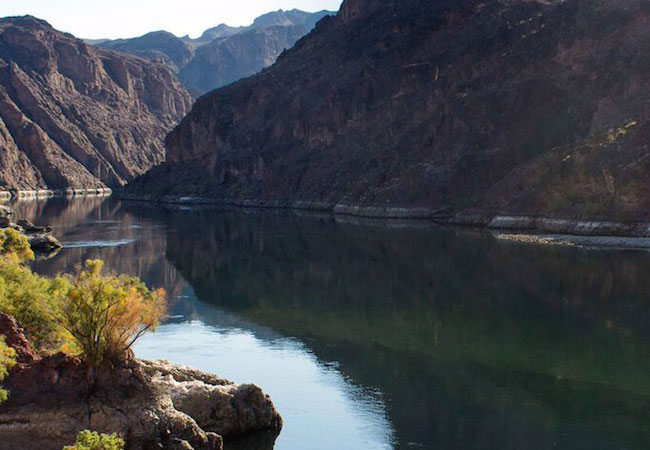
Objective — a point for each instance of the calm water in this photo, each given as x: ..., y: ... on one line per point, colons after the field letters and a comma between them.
x: 388, y: 335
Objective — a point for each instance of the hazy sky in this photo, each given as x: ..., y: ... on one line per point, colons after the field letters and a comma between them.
x: 127, y: 18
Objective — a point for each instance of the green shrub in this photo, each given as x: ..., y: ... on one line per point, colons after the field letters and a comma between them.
x: 7, y: 359
x: 30, y: 298
x: 105, y: 315
x: 91, y: 440
x: 14, y: 247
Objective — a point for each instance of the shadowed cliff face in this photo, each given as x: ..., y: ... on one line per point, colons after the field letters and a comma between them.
x: 512, y: 106
x: 74, y: 116
x: 471, y: 342
x: 471, y: 348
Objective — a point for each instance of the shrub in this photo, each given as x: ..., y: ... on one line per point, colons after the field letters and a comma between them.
x: 91, y: 440
x: 105, y: 315
x: 30, y: 299
x: 14, y: 247
x: 7, y: 355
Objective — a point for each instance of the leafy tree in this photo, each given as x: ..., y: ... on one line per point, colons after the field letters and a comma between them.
x: 91, y: 440
x: 105, y: 315
x: 7, y: 359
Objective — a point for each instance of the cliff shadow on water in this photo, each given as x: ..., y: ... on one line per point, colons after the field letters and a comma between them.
x: 471, y: 341
x: 474, y: 342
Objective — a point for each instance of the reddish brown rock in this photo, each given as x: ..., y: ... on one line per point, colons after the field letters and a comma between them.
x: 152, y: 404
x: 15, y: 338
x: 75, y: 116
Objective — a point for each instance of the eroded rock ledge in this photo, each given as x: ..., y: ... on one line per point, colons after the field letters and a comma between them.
x: 154, y: 404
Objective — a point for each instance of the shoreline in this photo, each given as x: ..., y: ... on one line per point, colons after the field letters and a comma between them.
x: 556, y: 228
x: 47, y: 193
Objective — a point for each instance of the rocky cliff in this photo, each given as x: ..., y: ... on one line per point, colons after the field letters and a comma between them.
x: 75, y: 116
x: 222, y: 54
x: 510, y: 106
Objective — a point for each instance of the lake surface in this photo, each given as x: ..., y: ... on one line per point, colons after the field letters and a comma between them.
x: 387, y: 334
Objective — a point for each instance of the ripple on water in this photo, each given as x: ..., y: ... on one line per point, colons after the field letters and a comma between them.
x: 98, y: 243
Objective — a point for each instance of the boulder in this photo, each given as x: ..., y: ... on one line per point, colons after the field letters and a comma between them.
x: 217, y: 405
x: 43, y: 242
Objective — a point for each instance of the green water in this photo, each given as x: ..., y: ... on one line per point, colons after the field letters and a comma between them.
x: 384, y: 334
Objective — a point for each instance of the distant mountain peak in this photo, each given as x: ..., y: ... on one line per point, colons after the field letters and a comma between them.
x: 222, y: 54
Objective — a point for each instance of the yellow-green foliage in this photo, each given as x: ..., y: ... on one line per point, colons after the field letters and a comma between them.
x: 105, y: 315
x: 91, y: 440
x: 30, y: 299
x: 14, y: 247
x: 614, y: 134
x: 23, y: 294
x: 7, y: 355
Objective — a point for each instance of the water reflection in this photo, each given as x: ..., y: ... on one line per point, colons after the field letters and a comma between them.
x: 312, y: 397
x: 390, y: 334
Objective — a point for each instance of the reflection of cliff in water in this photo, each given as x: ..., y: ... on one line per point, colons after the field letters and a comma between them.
x: 472, y: 342
x: 94, y: 227
x: 476, y: 343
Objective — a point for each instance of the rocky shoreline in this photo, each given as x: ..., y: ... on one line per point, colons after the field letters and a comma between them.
x: 40, y: 238
x: 153, y: 404
x: 45, y: 193
x: 479, y: 219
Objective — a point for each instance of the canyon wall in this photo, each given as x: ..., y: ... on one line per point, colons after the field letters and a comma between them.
x: 510, y: 106
x: 73, y: 116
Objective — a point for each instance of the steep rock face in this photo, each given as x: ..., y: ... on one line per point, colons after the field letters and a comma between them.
x: 74, y: 116
x: 223, y: 54
x: 537, y: 107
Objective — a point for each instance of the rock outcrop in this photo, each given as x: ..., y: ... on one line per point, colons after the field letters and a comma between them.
x: 152, y: 404
x: 511, y: 107
x: 40, y: 238
x: 73, y: 116
x: 222, y: 54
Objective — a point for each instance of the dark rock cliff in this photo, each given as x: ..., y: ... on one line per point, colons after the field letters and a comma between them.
x: 527, y: 107
x: 75, y: 116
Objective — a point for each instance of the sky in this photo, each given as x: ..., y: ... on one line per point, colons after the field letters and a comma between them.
x: 97, y: 19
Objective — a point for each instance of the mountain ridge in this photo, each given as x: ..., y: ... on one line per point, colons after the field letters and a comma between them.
x: 73, y: 116
x: 222, y: 54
